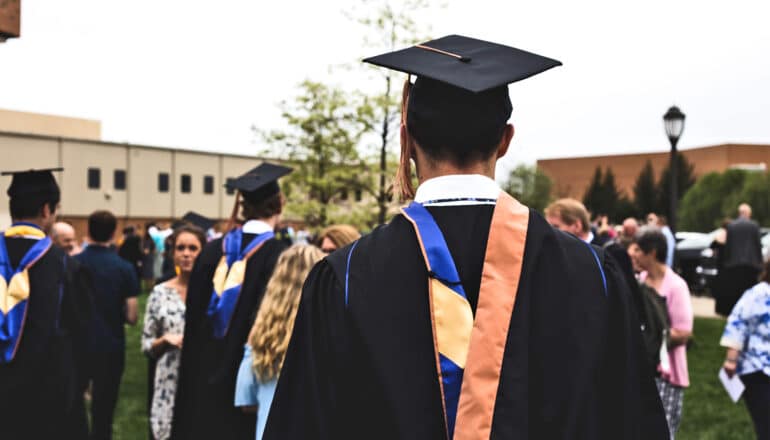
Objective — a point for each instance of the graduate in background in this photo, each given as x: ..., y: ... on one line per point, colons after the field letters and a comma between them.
x: 467, y: 316
x: 225, y: 290
x: 45, y: 309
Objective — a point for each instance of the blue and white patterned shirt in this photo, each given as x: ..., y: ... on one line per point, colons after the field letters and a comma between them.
x: 748, y: 330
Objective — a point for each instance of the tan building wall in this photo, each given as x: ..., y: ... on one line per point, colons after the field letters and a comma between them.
x: 50, y: 125
x: 571, y: 176
x: 141, y: 200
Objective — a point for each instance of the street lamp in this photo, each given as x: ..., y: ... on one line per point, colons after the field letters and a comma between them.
x: 673, y: 121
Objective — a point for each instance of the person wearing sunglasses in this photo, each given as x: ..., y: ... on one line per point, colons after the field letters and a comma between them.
x: 164, y: 328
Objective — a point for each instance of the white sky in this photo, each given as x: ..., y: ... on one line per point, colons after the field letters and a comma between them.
x: 195, y: 74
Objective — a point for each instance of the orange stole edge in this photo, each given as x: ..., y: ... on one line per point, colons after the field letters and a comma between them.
x: 432, y: 319
x: 497, y: 296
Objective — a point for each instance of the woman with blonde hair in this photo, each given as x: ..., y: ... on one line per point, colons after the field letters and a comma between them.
x: 337, y: 236
x: 269, y: 337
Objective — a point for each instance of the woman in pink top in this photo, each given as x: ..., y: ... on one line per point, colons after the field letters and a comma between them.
x: 650, y: 256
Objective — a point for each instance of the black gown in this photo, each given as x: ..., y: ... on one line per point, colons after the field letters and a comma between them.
x: 41, y: 389
x: 572, y: 368
x: 206, y: 391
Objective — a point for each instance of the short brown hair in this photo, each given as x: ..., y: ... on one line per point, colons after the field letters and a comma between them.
x: 101, y: 226
x: 570, y: 211
x: 266, y: 208
x: 190, y: 229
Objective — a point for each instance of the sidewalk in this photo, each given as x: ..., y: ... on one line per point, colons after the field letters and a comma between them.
x: 703, y: 307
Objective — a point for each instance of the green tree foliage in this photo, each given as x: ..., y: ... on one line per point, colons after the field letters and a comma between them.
x: 324, y: 128
x: 645, y: 192
x: 529, y: 185
x: 685, y: 178
x: 716, y: 196
x: 602, y: 196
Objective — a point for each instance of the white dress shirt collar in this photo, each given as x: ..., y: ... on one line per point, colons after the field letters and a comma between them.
x: 458, y: 189
x: 256, y: 227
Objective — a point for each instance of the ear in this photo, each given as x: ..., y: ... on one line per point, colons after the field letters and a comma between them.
x: 505, y: 141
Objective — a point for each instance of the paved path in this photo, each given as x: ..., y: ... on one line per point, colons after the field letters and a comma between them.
x: 703, y: 307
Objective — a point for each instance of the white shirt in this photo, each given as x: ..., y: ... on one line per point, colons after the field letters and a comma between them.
x: 256, y: 227
x: 472, y: 189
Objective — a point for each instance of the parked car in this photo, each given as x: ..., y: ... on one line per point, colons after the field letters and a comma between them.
x: 706, y: 271
x: 688, y: 257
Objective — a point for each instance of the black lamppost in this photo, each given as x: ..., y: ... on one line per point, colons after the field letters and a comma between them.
x: 673, y: 120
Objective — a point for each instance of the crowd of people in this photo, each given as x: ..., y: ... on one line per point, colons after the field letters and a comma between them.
x: 468, y: 315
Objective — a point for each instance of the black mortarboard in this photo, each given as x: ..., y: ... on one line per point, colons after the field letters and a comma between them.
x: 460, y: 98
x: 259, y: 183
x: 198, y: 220
x: 33, y: 183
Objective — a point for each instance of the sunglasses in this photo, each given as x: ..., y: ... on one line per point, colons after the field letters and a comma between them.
x: 182, y: 248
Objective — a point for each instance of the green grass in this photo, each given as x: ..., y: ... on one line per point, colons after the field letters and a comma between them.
x: 708, y: 412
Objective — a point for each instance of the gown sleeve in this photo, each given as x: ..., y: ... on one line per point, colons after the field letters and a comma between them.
x: 77, y: 309
x: 631, y: 398
x: 151, y: 329
x: 309, y: 400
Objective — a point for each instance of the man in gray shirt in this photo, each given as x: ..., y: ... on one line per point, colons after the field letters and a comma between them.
x: 742, y: 259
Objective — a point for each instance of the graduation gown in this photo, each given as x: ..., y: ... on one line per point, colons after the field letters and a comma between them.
x: 41, y: 389
x: 364, y: 366
x: 206, y: 391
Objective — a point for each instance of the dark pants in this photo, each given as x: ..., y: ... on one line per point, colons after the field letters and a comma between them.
x: 733, y: 282
x: 757, y: 398
x: 106, y: 372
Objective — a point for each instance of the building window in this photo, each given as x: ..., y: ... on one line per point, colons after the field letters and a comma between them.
x: 186, y: 183
x: 230, y: 190
x: 344, y: 194
x: 120, y: 180
x: 163, y: 182
x: 94, y: 178
x: 208, y: 184
x: 358, y: 195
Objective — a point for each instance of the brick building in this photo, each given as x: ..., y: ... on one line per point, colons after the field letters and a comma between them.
x: 571, y: 176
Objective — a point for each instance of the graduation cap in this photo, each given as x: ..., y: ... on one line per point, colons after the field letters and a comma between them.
x: 33, y: 183
x: 259, y: 183
x: 460, y: 97
x: 198, y: 220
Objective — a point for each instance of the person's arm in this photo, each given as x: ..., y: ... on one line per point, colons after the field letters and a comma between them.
x: 731, y: 361
x: 737, y: 330
x: 680, y: 312
x: 132, y: 313
x: 131, y: 291
x: 246, y: 385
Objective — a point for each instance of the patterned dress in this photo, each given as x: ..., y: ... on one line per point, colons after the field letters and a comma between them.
x: 748, y: 330
x: 165, y: 314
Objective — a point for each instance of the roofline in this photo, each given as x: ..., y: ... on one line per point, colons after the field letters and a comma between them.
x: 650, y: 153
x: 127, y: 144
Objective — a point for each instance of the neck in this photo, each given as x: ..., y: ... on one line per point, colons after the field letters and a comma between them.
x: 37, y: 221
x: 183, y: 278
x: 657, y: 271
x: 272, y: 221
x: 428, y: 168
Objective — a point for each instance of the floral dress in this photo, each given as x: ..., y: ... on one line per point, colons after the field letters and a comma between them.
x: 165, y: 314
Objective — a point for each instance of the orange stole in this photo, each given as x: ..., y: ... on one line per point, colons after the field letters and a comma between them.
x: 497, y: 296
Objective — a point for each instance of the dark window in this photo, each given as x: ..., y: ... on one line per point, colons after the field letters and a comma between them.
x: 358, y: 195
x: 94, y: 178
x: 163, y: 182
x: 186, y: 183
x: 208, y: 184
x: 230, y: 190
x: 344, y: 194
x: 120, y: 179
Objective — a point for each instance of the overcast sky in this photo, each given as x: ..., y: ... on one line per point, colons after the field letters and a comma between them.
x: 198, y: 74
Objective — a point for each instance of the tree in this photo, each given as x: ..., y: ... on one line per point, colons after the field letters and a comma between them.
x: 602, y: 195
x: 593, y: 196
x: 645, y: 195
x: 715, y: 197
x: 529, y: 185
x: 392, y: 25
x: 321, y: 142
x: 685, y: 177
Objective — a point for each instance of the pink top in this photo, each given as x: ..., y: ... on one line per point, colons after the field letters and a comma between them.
x: 679, y: 305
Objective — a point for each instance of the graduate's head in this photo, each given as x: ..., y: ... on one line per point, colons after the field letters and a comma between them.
x: 269, y: 337
x: 101, y: 226
x: 34, y: 196
x: 337, y: 236
x: 569, y: 215
x: 259, y: 195
x: 651, y: 248
x: 455, y: 116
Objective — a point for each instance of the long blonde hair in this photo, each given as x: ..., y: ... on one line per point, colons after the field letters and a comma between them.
x: 270, y: 334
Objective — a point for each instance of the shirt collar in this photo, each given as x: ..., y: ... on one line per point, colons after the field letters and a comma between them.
x: 457, y: 190
x: 256, y: 227
x: 590, y: 238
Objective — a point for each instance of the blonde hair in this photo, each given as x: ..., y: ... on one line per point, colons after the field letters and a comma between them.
x: 570, y: 211
x: 270, y: 334
x: 340, y: 235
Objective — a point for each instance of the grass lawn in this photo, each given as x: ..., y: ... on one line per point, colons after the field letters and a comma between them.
x: 708, y: 412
